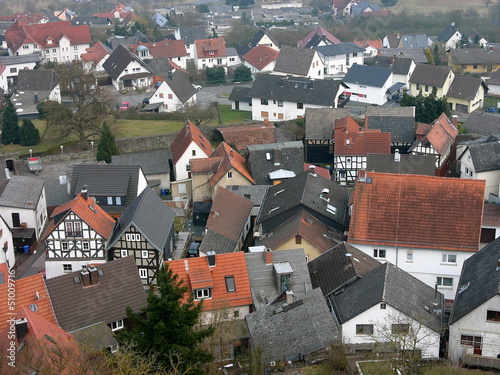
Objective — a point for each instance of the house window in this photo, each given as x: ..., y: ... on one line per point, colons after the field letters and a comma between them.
x: 354, y: 54
x: 211, y: 53
x: 474, y: 66
x: 493, y: 315
x: 300, y: 105
x: 144, y: 254
x: 118, y: 201
x: 161, y: 95
x: 400, y: 329
x: 219, y: 61
x: 109, y: 201
x: 143, y: 273
x: 236, y: 313
x: 85, y: 245
x: 26, y: 46
x: 54, y: 50
x: 193, y: 153
x: 450, y: 258
x: 298, y: 239
x: 383, y: 306
x: 170, y: 96
x: 331, y: 209
x: 285, y: 282
x: 202, y: 293
x: 264, y: 101
x: 67, y: 268
x: 132, y: 237
x: 78, y: 228
x: 280, y: 103
x: 379, y: 253
x: 188, y: 167
x: 475, y: 341
x: 75, y: 48
x: 64, y: 246
x: 124, y: 253
x: 230, y: 286
x: 182, y: 188
x: 229, y: 174
x: 446, y: 282
x: 409, y: 256
x: 426, y: 88
x: 364, y: 329
x: 280, y: 116
x: 115, y: 326
x: 418, y: 86
x: 13, y: 70
x: 264, y: 114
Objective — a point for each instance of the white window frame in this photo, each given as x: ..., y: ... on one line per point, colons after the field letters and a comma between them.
x: 124, y: 253
x: 117, y: 325
x: 446, y: 258
x: 440, y: 282
x: 377, y: 253
x: 229, y: 175
x: 67, y: 268
x: 64, y: 246
x: 143, y: 273
x: 144, y: 254
x: 85, y: 245
x: 202, y: 294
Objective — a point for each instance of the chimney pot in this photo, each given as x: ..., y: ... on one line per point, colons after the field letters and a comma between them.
x: 268, y: 256
x: 454, y: 120
x: 211, y: 258
x: 84, y: 192
x: 289, y: 297
x: 94, y: 276
x: 21, y: 328
x: 85, y: 276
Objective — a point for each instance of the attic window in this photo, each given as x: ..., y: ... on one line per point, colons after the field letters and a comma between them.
x: 268, y: 156
x: 347, y: 141
x: 211, y: 52
x: 331, y: 209
x: 33, y: 307
x: 230, y: 286
x: 463, y: 287
x: 279, y: 192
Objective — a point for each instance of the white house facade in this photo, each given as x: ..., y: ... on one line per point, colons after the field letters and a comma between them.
x: 278, y: 110
x: 170, y: 102
x: 7, y: 254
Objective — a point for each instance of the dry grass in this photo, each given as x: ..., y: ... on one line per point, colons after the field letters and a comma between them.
x: 432, y: 6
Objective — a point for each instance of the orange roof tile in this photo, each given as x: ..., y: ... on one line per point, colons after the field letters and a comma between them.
x: 377, y: 43
x: 443, y: 134
x: 205, y: 165
x: 197, y: 275
x: 30, y: 290
x: 87, y: 210
x: 189, y: 133
x: 352, y: 139
x: 212, y: 48
x: 346, y: 125
x: 319, y: 170
x: 230, y: 159
x: 95, y: 53
x: 164, y: 48
x: 252, y: 134
x: 418, y: 211
x: 261, y: 56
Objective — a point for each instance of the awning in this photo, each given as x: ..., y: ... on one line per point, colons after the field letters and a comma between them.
x: 395, y: 88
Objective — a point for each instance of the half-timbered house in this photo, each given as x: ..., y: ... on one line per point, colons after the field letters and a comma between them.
x: 146, y: 232
x: 76, y: 236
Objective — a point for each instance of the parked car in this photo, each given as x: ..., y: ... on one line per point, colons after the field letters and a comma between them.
x: 124, y: 106
x: 193, y: 250
x: 145, y: 100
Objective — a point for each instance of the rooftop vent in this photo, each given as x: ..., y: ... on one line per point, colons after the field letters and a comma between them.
x: 397, y: 156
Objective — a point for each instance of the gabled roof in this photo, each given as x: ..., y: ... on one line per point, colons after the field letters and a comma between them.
x: 96, y: 53
x: 164, y: 48
x: 179, y: 83
x: 399, y: 65
x: 229, y: 159
x: 26, y: 17
x: 376, y: 43
x: 87, y: 210
x: 430, y: 75
x: 197, y: 274
x: 37, y: 80
x: 418, y: 40
x: 399, y: 121
x: 261, y: 56
x: 339, y: 266
x: 21, y: 192
x: 296, y: 89
x: 445, y: 212
x: 226, y: 221
x: 318, y: 31
x: 319, y: 121
x: 119, y: 287
x: 485, y: 155
x: 91, y: 20
x: 303, y: 192
x: 240, y: 94
x: 151, y: 162
x: 367, y: 75
x: 216, y: 45
x: 465, y: 87
x: 417, y: 54
x: 281, y: 330
x: 119, y: 59
x: 150, y: 216
x: 304, y: 225
x: 339, y: 49
x: 407, y: 164
x: 266, y: 158
x: 479, y: 281
x: 482, y: 123
x: 190, y: 33
x: 259, y: 35
x: 441, y: 135
x: 356, y: 140
x: 189, y: 133
x: 447, y: 33
x: 294, y: 60
x: 493, y: 80
x: 389, y: 284
x: 30, y: 290
x: 475, y: 56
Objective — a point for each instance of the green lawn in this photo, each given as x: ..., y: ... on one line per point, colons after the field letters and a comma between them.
x: 230, y: 116
x: 384, y: 368
x: 491, y: 101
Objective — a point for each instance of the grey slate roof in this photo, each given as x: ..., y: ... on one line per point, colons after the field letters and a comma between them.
x: 151, y: 217
x: 138, y: 37
x: 240, y: 94
x: 284, y: 155
x: 486, y: 155
x: 399, y: 121
x: 399, y: 65
x: 55, y: 193
x: 294, y: 60
x: 475, y: 56
x: 191, y: 33
x: 389, y: 284
x: 22, y: 59
x: 339, y: 266
x: 480, y: 281
x: 119, y: 59
x: 430, y: 75
x: 414, y: 41
x: 21, y: 192
x: 303, y: 192
x: 159, y: 66
x: 255, y: 193
x: 447, y: 33
x: 296, y: 89
x: 95, y: 338
x: 339, y: 49
x: 37, y: 80
x: 304, y: 326
x: 417, y: 54
x: 465, y: 87
x: 482, y: 123
x: 408, y: 164
x: 367, y: 75
x: 213, y: 241
x: 319, y: 121
x: 151, y: 162
x: 91, y: 20
x: 179, y: 82
x: 119, y: 287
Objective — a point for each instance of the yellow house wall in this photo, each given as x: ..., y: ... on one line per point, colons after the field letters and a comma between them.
x: 310, y: 250
x: 201, y: 187
x: 472, y: 105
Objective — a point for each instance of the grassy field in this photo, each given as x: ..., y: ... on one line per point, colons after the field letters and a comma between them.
x: 432, y: 6
x: 384, y: 368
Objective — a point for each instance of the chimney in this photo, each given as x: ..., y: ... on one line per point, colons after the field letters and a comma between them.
x: 312, y: 169
x: 454, y: 120
x: 231, y: 154
x: 211, y: 258
x: 277, y: 156
x: 397, y: 156
x: 84, y: 192
x: 85, y: 276
x: 21, y: 328
x: 289, y: 297
x: 35, y: 98
x: 94, y: 275
x: 268, y: 256
x: 266, y: 121
x: 325, y: 193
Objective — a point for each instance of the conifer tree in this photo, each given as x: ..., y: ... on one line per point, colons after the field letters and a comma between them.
x: 106, y: 147
x: 29, y: 134
x: 10, y: 125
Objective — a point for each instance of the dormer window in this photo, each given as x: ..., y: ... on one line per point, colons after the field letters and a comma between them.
x: 49, y: 41
x: 284, y: 274
x: 211, y: 53
x: 202, y: 293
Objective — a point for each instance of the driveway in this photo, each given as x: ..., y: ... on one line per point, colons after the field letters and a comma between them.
x: 218, y: 93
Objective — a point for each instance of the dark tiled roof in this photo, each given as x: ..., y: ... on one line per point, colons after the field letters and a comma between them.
x: 280, y: 330
x: 480, y: 281
x: 465, y: 87
x: 179, y: 82
x: 475, y: 56
x: 296, y: 89
x: 491, y: 215
x: 240, y: 94
x: 119, y: 287
x: 151, y: 217
x: 447, y: 33
x: 339, y: 49
x: 259, y: 35
x: 367, y: 75
x: 190, y: 33
x: 485, y: 156
x: 400, y: 122
x: 482, y: 123
x: 151, y: 162
x: 389, y: 284
x: 319, y: 121
x: 416, y: 54
x: 494, y: 78
x: 117, y: 61
x: 266, y: 158
x: 160, y: 66
x: 294, y: 60
x: 408, y: 164
x: 430, y: 75
x: 21, y: 192
x: 399, y: 65
x: 37, y: 80
x: 339, y: 266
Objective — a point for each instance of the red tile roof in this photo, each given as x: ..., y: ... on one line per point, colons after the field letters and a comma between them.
x: 25, y: 17
x: 418, y: 211
x: 491, y: 215
x: 351, y: 139
x: 212, y: 48
x: 30, y: 290
x: 320, y: 31
x: 197, y: 275
x: 205, y: 165
x: 87, y: 210
x: 253, y: 134
x: 189, y: 133
x: 95, y: 53
x: 261, y: 56
x: 442, y: 135
x: 40, y: 34
x: 230, y: 159
x: 319, y: 170
x: 346, y: 124
x: 165, y: 48
x: 377, y: 43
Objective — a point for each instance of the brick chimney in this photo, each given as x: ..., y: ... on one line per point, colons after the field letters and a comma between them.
x: 94, y: 275
x: 454, y: 120
x: 84, y: 192
x: 211, y: 258
x: 85, y: 276
x: 268, y: 256
x: 277, y: 156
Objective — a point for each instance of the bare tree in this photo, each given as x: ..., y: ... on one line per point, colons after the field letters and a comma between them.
x: 198, y: 113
